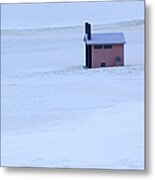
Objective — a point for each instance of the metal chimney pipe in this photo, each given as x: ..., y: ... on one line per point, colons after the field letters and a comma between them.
x: 88, y: 30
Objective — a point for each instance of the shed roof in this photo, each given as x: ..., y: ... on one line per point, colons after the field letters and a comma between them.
x: 106, y: 38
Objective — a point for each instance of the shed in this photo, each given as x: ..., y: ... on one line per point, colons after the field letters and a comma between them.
x: 103, y: 49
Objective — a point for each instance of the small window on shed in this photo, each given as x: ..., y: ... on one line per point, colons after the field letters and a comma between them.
x: 97, y: 46
x: 118, y: 59
x: 108, y: 46
x: 103, y: 64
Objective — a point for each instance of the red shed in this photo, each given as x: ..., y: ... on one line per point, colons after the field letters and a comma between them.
x: 103, y: 49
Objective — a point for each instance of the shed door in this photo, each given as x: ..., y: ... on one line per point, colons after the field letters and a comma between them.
x: 118, y: 61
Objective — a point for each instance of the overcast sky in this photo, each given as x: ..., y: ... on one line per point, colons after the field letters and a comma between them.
x: 40, y: 15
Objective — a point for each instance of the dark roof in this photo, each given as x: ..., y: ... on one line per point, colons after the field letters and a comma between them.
x: 106, y: 38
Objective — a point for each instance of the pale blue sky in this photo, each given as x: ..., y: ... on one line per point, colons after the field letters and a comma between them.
x: 40, y: 15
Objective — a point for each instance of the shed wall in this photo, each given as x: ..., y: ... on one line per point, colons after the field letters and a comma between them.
x: 108, y: 56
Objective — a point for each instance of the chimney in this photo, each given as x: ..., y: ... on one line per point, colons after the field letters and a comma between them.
x: 88, y: 30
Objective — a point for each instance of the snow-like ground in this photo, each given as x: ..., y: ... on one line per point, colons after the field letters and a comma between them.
x: 55, y: 113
